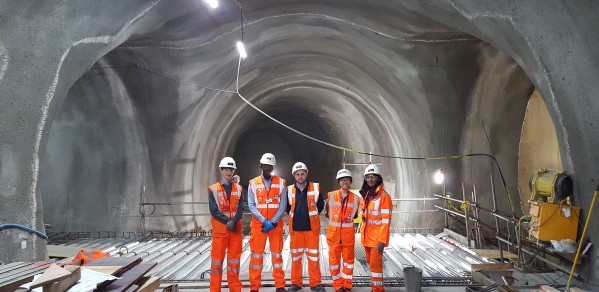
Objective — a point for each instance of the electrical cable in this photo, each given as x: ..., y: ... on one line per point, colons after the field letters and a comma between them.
x: 19, y: 226
x: 135, y: 66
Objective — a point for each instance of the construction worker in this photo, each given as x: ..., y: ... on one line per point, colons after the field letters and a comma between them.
x: 343, y: 206
x: 376, y: 211
x: 305, y: 205
x: 267, y: 200
x: 226, y: 207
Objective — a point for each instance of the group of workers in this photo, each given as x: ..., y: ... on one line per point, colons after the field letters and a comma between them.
x: 269, y: 198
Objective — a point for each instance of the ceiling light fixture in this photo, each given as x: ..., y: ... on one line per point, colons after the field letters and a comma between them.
x: 213, y: 3
x: 241, y: 50
x: 440, y: 176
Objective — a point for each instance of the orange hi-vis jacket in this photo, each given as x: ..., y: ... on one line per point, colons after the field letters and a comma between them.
x: 312, y: 197
x: 341, y: 217
x: 267, y: 201
x: 227, y: 207
x: 376, y: 219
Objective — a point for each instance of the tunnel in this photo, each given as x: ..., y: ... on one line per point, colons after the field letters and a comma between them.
x: 139, y: 107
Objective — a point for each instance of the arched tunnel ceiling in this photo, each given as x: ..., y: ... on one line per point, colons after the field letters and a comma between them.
x: 122, y: 94
x: 397, y: 84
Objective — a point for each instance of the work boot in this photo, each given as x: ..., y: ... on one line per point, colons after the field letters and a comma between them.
x: 281, y: 290
x: 294, y: 288
x: 253, y: 290
x: 317, y: 289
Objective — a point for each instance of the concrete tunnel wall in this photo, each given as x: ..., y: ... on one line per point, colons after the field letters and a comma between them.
x: 411, y: 81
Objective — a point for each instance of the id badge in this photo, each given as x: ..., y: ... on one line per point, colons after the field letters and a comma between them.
x: 268, y: 201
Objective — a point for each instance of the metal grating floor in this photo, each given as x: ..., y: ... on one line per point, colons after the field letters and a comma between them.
x: 188, y: 259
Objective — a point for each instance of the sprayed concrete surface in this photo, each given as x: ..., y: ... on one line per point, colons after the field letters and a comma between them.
x: 105, y: 104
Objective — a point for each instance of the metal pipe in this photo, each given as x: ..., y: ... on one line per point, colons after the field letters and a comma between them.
x: 496, y: 219
x: 416, y: 199
x: 476, y: 215
x: 448, y: 198
x: 466, y: 215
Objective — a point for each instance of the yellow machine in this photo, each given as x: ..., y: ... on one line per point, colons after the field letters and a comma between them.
x: 553, y: 221
x: 552, y: 215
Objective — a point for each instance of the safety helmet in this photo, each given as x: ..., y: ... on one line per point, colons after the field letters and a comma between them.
x: 372, y: 169
x: 297, y: 166
x: 268, y: 158
x: 343, y: 173
x: 227, y: 162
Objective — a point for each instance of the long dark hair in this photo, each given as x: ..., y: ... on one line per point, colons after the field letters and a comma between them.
x: 365, y: 187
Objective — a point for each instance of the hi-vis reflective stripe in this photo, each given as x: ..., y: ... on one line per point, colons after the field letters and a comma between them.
x: 313, y: 213
x: 216, y: 271
x: 295, y: 250
x: 264, y: 206
x: 277, y: 266
x: 256, y: 267
x: 314, y: 251
x: 257, y: 255
x: 377, y: 283
x: 346, y: 276
x: 234, y: 270
x: 334, y: 277
x: 336, y: 224
x: 374, y: 222
x: 376, y: 275
x: 385, y: 221
x: 233, y: 261
x: 217, y: 263
x: 374, y: 213
x: 314, y: 259
x: 276, y: 255
x: 348, y: 266
x: 297, y: 258
x: 385, y: 211
x: 335, y: 267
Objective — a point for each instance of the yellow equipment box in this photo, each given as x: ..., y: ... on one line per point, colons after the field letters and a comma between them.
x: 553, y: 221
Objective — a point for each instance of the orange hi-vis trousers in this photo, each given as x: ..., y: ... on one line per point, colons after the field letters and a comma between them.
x: 230, y: 244
x: 305, y: 242
x: 342, y: 271
x: 257, y: 244
x: 375, y: 261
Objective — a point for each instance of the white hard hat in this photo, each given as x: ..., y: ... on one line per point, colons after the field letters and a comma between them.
x: 343, y: 173
x: 228, y: 162
x: 372, y: 169
x: 268, y: 158
x: 297, y: 166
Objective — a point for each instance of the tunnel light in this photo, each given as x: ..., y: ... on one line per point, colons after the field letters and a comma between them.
x: 213, y: 3
x: 440, y: 175
x: 241, y: 50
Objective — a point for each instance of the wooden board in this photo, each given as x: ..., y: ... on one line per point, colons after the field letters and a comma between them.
x: 61, y: 251
x: 125, y: 262
x: 65, y: 284
x: 130, y: 277
x: 53, y: 274
x: 149, y: 285
x: 19, y: 274
x: 491, y: 267
x: 110, y: 270
x: 494, y: 253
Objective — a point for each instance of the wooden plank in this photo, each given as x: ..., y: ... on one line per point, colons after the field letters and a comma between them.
x: 548, y: 288
x: 110, y: 270
x: 12, y: 286
x: 62, y: 251
x: 23, y: 272
x: 494, y: 253
x: 491, y: 267
x: 12, y: 266
x: 125, y: 262
x: 65, y: 284
x: 151, y: 284
x: 130, y: 277
x: 52, y: 274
